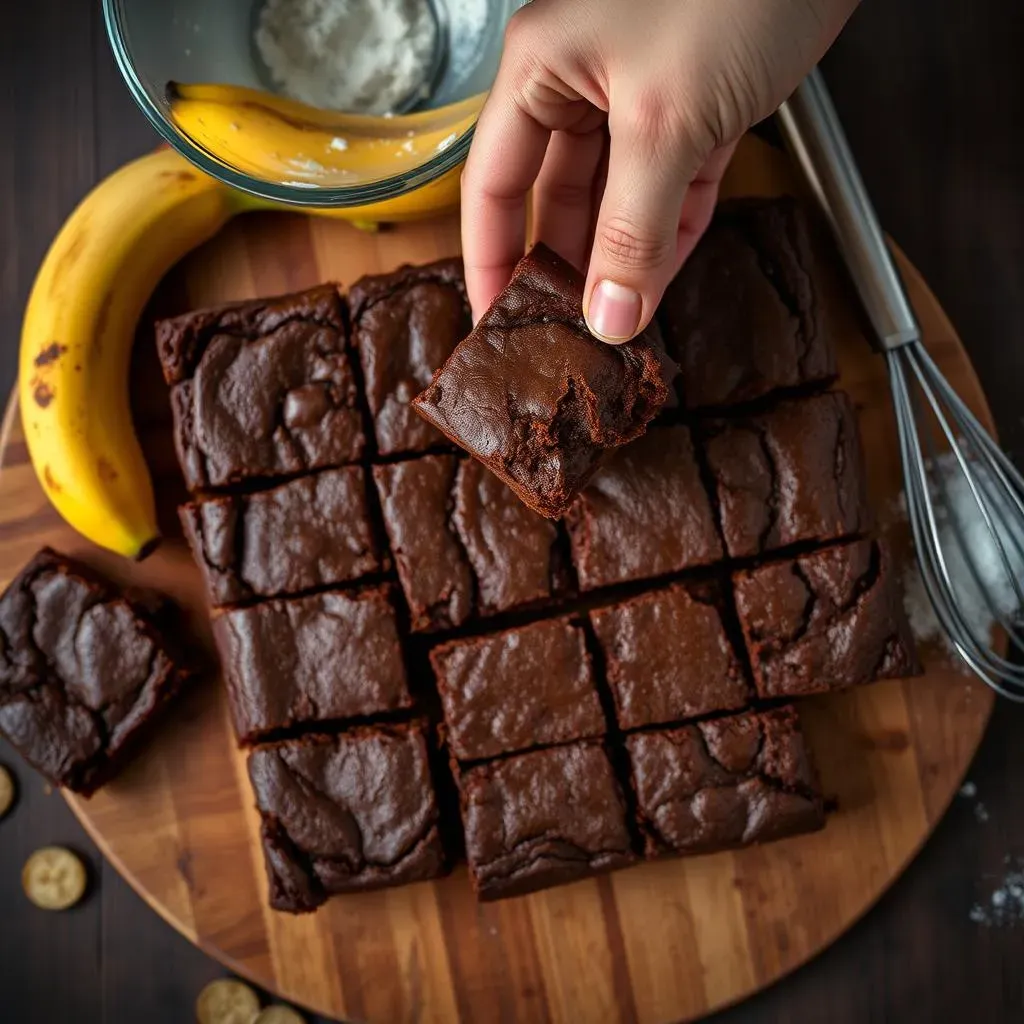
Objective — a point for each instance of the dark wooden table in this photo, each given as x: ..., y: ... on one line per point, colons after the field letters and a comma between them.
x: 932, y: 95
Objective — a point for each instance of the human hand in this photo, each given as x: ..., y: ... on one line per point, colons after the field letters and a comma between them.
x: 622, y: 118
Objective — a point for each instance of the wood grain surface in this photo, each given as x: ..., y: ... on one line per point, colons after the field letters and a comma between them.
x: 658, y: 942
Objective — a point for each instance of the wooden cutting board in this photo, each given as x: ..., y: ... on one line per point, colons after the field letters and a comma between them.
x: 658, y: 942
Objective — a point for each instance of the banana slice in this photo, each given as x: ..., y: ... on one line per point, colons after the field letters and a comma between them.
x: 227, y: 1001
x: 54, y: 878
x: 6, y: 790
x: 280, y: 1014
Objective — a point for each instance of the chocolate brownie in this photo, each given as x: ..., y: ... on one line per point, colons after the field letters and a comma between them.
x: 645, y: 513
x: 521, y: 688
x: 825, y: 621
x: 404, y: 326
x: 305, y: 660
x: 794, y: 473
x: 668, y: 657
x: 464, y: 544
x: 261, y: 389
x: 723, y: 783
x: 543, y: 818
x: 535, y: 396
x: 345, y: 813
x: 311, y: 532
x: 85, y: 670
x: 747, y: 314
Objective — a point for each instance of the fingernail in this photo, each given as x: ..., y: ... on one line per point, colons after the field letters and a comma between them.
x: 614, y: 312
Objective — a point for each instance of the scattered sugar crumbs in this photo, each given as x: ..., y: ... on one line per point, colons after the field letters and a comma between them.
x: 1004, y: 907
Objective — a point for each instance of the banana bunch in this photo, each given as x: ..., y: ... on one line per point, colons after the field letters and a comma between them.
x: 105, y: 263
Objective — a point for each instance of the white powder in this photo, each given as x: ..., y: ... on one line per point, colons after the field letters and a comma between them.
x: 1005, y: 904
x: 361, y: 56
x: 959, y: 522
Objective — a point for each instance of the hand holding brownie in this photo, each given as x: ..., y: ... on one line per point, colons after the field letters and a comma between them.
x: 622, y: 121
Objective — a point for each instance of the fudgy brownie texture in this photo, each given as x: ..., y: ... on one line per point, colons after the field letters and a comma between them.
x: 535, y: 396
x: 305, y: 660
x: 84, y: 670
x: 415, y: 498
x: 794, y: 473
x: 746, y: 314
x: 668, y: 657
x: 645, y: 513
x: 344, y: 813
x: 311, y: 532
x: 825, y: 621
x: 543, y: 818
x: 521, y: 688
x: 404, y: 326
x: 464, y: 544
x: 723, y: 783
x: 261, y: 389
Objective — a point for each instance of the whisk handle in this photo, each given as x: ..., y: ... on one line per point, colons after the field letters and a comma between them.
x: 811, y: 127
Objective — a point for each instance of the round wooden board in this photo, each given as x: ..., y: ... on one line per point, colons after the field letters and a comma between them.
x: 658, y: 942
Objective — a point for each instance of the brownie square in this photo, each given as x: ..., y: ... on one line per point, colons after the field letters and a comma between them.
x: 404, y: 326
x: 85, y: 670
x: 668, y: 657
x: 306, y: 660
x: 543, y: 818
x: 825, y: 621
x: 464, y: 544
x: 645, y: 513
x: 535, y: 396
x: 724, y: 783
x: 792, y: 474
x: 346, y: 813
x: 747, y: 315
x: 261, y: 389
x: 314, y: 531
x: 522, y: 688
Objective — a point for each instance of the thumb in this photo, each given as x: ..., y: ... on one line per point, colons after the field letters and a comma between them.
x: 636, y: 239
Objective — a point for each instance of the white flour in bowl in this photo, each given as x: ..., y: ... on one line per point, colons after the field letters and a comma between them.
x: 360, y: 56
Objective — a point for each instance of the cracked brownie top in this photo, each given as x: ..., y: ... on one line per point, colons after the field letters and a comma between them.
x: 789, y: 475
x: 746, y: 315
x: 310, y: 532
x: 463, y: 542
x: 84, y: 669
x: 521, y: 688
x: 538, y: 399
x: 543, y: 818
x: 742, y: 779
x: 343, y: 813
x: 261, y: 389
x: 404, y: 326
x: 330, y: 656
x: 825, y: 621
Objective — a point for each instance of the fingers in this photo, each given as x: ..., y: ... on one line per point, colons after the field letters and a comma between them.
x: 637, y: 238
x: 699, y: 203
x: 564, y: 202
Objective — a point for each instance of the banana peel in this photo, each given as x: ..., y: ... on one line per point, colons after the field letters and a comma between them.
x: 80, y: 321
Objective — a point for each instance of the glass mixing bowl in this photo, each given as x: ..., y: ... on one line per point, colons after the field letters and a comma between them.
x: 193, y: 69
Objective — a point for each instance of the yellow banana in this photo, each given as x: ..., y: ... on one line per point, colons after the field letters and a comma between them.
x: 77, y: 336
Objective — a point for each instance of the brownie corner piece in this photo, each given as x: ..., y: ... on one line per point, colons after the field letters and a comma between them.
x: 520, y: 688
x: 85, y: 670
x: 262, y: 389
x: 792, y: 474
x: 826, y: 620
x: 345, y: 813
x: 302, y: 661
x: 535, y: 396
x: 405, y: 324
x: 669, y: 656
x: 543, y: 818
x: 724, y: 783
x: 749, y: 313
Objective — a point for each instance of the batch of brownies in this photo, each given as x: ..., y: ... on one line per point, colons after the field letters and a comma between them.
x: 577, y: 584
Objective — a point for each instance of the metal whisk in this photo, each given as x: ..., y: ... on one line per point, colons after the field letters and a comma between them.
x: 927, y: 408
